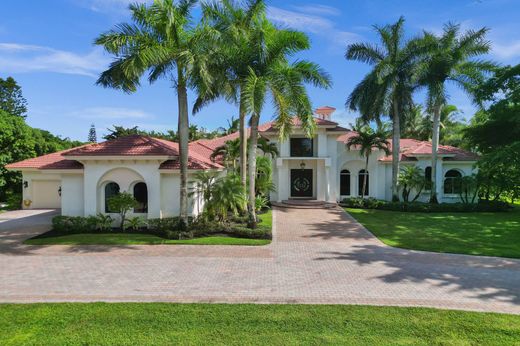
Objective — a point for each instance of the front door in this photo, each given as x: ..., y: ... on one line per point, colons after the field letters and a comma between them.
x: 301, y: 182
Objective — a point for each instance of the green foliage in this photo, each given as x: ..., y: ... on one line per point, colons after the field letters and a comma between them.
x: 229, y: 153
x: 92, y: 136
x: 261, y: 202
x: 135, y: 223
x: 122, y: 203
x: 227, y: 196
x: 11, y: 98
x: 389, y: 86
x: 264, y: 176
x: 499, y: 173
x: 366, y: 140
x: 411, y: 178
x: 19, y: 141
x: 372, y: 203
x: 103, y: 222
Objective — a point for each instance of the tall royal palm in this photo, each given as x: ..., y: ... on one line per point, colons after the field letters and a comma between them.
x: 388, y: 88
x: 163, y: 42
x: 238, y: 47
x: 451, y: 59
x: 273, y: 76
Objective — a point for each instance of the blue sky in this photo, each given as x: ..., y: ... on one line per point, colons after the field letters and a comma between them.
x: 47, y: 47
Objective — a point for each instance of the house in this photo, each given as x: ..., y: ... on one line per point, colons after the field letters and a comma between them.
x: 80, y: 180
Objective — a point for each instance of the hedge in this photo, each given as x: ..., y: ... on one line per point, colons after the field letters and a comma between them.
x: 372, y: 203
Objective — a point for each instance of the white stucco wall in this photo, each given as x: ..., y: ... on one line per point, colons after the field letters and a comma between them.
x: 72, y: 195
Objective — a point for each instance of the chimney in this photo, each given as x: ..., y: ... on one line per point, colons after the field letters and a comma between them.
x: 324, y: 112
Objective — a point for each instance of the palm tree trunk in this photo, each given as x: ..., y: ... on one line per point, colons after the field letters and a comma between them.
x: 435, y: 147
x: 252, y: 171
x: 396, y: 137
x: 243, y: 143
x: 365, y: 178
x: 183, y: 132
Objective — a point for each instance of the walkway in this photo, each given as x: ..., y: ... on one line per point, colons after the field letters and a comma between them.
x: 317, y: 256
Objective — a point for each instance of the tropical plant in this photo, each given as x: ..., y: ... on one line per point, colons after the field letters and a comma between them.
x: 240, y: 44
x: 411, y: 178
x: 388, y: 88
x: 227, y: 196
x: 163, y: 41
x: 229, y: 152
x: 469, y: 188
x: 366, y: 140
x: 450, y: 59
x: 135, y: 223
x: 268, y: 148
x: 253, y: 64
x: 104, y: 222
x: 416, y: 124
x: 122, y: 203
x: 264, y: 176
x: 203, y: 185
x: 261, y: 202
x: 233, y: 126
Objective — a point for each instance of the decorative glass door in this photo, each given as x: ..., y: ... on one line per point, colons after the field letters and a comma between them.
x: 301, y: 182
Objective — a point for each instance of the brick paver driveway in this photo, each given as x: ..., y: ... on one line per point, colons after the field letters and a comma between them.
x: 317, y: 256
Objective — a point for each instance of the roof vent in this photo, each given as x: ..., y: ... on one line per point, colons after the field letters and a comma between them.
x: 324, y: 112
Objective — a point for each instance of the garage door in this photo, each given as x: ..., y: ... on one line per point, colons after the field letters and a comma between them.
x: 45, y: 194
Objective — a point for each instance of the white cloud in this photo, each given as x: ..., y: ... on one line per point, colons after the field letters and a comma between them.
x: 110, y: 113
x: 318, y: 9
x: 313, y: 23
x: 22, y: 58
x: 506, y: 51
x: 109, y: 6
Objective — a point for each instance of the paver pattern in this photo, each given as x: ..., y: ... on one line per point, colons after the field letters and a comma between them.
x: 317, y: 256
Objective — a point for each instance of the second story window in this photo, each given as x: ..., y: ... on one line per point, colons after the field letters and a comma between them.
x: 302, y: 147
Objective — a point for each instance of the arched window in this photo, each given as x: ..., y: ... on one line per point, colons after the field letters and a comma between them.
x: 111, y: 189
x: 428, y: 178
x: 141, y: 196
x: 452, y: 182
x: 344, y: 183
x: 361, y: 177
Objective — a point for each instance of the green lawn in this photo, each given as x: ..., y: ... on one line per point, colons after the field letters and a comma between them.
x: 488, y: 234
x: 115, y: 238
x: 242, y: 324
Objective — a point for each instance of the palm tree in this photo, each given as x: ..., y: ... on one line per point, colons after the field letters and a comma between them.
x: 163, y: 42
x: 239, y: 47
x: 388, y: 88
x: 284, y: 83
x: 268, y: 148
x: 411, y: 178
x: 416, y: 124
x: 230, y: 152
x: 365, y: 141
x: 451, y: 59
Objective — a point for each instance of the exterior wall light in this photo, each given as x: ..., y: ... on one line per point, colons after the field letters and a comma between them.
x: 59, y: 191
x: 302, y: 165
x: 25, y: 184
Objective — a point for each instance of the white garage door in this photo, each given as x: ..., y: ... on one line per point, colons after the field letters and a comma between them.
x: 45, y: 194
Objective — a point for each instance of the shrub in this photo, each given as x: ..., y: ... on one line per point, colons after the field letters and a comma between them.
x: 61, y: 223
x: 134, y: 223
x: 14, y: 201
x: 372, y: 203
x: 242, y: 231
x: 261, y: 202
x: 103, y: 222
x: 122, y: 203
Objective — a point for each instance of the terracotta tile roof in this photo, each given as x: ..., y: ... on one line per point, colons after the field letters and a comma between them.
x: 50, y: 161
x: 134, y: 145
x: 410, y: 148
